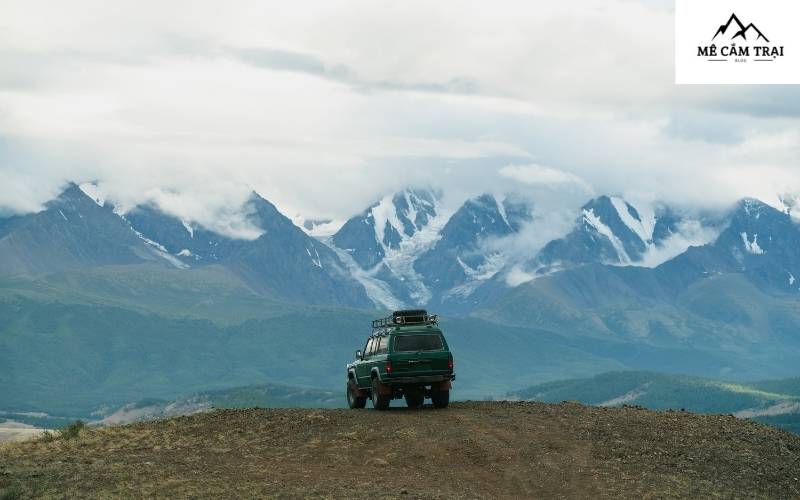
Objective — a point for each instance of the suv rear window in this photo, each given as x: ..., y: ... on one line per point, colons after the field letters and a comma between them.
x: 413, y: 343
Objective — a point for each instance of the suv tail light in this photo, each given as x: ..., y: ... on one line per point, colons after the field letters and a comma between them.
x: 389, y: 367
x: 450, y: 363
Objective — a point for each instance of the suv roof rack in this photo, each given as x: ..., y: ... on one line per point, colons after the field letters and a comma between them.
x: 406, y: 317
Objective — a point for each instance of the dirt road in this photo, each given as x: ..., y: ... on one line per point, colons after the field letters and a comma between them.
x: 471, y: 450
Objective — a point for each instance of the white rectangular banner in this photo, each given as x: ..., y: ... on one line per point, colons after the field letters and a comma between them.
x: 737, y: 41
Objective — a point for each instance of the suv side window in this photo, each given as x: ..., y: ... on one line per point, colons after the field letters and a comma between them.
x: 371, y: 346
x: 368, y: 347
x: 383, y: 345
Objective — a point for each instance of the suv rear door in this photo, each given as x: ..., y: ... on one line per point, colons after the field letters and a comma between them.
x: 419, y: 354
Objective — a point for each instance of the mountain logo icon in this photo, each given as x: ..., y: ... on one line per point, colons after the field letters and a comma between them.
x: 735, y: 29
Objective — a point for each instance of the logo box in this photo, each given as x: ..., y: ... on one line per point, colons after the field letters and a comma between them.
x: 737, y: 42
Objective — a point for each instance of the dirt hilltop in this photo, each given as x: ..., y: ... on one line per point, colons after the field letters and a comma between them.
x: 472, y: 449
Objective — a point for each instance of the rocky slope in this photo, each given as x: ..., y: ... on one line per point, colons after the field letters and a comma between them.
x: 483, y: 450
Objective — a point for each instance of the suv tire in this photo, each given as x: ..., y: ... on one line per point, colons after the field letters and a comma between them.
x: 440, y: 399
x: 415, y: 399
x: 353, y: 399
x: 379, y: 401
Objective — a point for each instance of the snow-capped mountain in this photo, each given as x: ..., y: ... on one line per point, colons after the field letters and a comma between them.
x: 383, y: 228
x: 72, y: 232
x: 186, y: 241
x: 758, y: 241
x: 613, y: 231
x: 80, y: 229
x: 463, y: 258
x: 409, y: 251
x: 381, y: 244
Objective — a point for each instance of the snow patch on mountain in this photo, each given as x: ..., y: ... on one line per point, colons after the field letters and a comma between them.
x: 316, y: 261
x: 378, y: 291
x: 91, y: 190
x: 501, y: 209
x: 154, y: 244
x: 643, y: 226
x: 161, y: 251
x: 595, y: 222
x: 492, y: 265
x: 188, y: 227
x: 388, y: 213
x: 752, y: 247
x: 401, y: 260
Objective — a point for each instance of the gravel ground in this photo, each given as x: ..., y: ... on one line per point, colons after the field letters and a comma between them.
x: 470, y: 450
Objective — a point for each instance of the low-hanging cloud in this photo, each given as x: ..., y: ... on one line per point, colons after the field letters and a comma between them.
x: 538, y: 175
x: 324, y: 107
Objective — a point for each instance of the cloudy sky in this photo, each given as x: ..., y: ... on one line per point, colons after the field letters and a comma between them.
x: 324, y: 106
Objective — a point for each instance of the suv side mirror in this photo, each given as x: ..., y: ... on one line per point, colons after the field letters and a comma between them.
x: 359, y: 355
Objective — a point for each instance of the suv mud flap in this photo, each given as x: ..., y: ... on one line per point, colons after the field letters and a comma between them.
x: 360, y: 393
x: 445, y: 386
x: 384, y: 389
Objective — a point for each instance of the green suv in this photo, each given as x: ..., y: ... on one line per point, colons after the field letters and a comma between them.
x: 405, y: 357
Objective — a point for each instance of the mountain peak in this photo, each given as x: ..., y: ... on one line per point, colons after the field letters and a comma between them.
x: 386, y: 224
x: 71, y: 192
x: 754, y: 208
x: 599, y: 201
x: 92, y: 190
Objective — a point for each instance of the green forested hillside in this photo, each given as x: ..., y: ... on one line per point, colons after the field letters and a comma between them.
x: 727, y: 326
x: 108, y: 336
x: 73, y: 342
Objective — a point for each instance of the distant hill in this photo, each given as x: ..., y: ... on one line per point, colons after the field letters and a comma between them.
x: 254, y: 396
x: 775, y: 402
x: 72, y: 343
x: 77, y: 341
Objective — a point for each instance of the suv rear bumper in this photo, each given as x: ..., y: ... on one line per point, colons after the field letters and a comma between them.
x: 429, y: 379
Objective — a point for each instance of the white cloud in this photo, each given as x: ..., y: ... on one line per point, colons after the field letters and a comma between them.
x: 516, y: 277
x: 323, y: 106
x: 539, y: 175
x: 690, y: 233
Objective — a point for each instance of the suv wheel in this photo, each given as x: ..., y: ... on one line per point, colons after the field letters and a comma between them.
x: 379, y: 401
x: 415, y: 399
x: 440, y: 399
x: 353, y: 399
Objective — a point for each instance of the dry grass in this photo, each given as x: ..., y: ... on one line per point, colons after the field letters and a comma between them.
x: 469, y: 450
